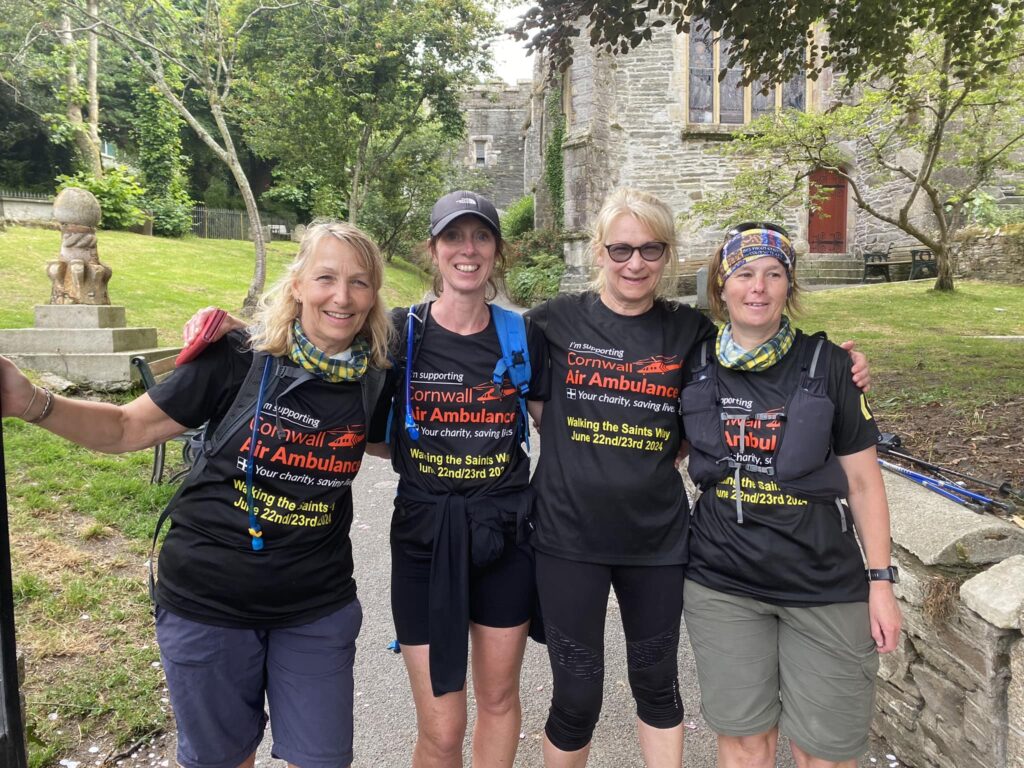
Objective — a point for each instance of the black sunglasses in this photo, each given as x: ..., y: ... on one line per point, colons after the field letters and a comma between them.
x: 756, y: 225
x: 622, y: 252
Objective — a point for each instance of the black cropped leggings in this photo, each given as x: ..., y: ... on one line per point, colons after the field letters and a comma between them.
x: 574, y: 602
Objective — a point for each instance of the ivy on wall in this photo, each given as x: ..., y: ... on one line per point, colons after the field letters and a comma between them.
x: 554, y: 172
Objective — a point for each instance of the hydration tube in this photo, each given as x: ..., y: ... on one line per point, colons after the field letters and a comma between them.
x: 410, y: 422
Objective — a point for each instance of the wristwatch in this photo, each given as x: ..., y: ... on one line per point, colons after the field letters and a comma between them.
x: 891, y: 573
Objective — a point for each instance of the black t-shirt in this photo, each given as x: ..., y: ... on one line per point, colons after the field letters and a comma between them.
x: 788, y: 550
x: 309, y: 449
x: 469, y: 426
x: 608, y: 491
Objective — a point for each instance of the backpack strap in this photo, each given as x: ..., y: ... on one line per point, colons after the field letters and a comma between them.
x: 514, y: 360
x: 240, y: 409
x: 816, y: 363
x: 705, y: 355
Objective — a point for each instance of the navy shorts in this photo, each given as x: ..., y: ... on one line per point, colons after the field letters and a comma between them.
x: 501, y: 594
x: 218, y: 677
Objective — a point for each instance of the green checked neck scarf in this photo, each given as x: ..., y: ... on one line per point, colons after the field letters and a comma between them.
x: 333, y: 369
x: 764, y: 356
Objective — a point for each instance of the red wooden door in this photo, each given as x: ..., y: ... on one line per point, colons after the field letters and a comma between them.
x: 826, y: 227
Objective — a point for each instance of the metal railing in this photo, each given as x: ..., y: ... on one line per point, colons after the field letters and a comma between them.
x: 221, y: 224
x: 18, y: 194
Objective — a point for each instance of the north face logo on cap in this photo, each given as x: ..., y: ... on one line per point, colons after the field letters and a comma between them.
x: 466, y: 200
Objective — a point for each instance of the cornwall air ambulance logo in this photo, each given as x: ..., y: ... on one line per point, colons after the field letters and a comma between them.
x: 658, y: 364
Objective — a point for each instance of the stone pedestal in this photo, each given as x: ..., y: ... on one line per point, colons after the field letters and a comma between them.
x: 83, y: 343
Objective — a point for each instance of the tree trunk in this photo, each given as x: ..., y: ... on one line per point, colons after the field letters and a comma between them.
x: 91, y: 80
x: 230, y: 157
x: 944, y: 267
x: 88, y: 153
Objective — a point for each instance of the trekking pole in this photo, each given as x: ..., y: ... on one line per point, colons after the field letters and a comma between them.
x: 888, y: 442
x: 951, y: 491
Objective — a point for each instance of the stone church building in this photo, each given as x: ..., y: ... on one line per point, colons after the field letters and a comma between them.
x: 654, y: 119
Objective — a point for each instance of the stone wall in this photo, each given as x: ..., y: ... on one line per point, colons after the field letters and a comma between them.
x: 22, y: 210
x: 952, y: 694
x: 992, y: 257
x: 496, y: 116
x: 626, y: 128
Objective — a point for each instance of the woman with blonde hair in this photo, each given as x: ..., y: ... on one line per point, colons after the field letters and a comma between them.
x: 610, y: 504
x: 460, y: 564
x: 256, y: 596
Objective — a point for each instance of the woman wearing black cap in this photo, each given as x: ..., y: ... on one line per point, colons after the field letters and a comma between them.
x: 458, y: 554
x: 785, y: 622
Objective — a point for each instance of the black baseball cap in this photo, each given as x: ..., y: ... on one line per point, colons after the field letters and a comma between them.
x: 459, y: 203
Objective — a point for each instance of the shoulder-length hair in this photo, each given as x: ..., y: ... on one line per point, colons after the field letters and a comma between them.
x: 278, y: 308
x: 650, y: 211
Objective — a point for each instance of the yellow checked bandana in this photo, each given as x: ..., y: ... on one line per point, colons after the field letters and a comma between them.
x: 751, y: 244
x: 732, y: 355
x: 305, y: 354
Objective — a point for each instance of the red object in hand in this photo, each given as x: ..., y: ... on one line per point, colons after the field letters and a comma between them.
x: 202, y: 341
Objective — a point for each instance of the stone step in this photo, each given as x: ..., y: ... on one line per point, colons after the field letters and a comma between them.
x: 67, y: 340
x: 100, y: 370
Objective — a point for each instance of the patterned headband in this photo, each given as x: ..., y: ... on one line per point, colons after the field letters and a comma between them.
x: 750, y: 244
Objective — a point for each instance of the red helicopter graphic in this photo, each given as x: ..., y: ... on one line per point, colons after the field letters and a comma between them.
x: 492, y: 392
x: 658, y: 364
x: 347, y: 439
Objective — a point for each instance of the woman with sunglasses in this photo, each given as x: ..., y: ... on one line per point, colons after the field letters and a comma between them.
x: 611, y: 510
x: 785, y: 622
x: 611, y: 507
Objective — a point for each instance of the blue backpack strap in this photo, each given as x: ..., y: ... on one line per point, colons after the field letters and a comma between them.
x: 515, y: 359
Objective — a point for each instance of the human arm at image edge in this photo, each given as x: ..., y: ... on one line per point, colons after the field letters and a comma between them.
x: 99, y: 426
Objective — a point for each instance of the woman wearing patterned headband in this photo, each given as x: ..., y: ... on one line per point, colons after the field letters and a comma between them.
x: 256, y: 596
x: 785, y: 622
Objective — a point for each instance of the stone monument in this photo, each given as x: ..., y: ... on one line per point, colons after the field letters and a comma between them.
x: 78, y: 277
x: 79, y: 335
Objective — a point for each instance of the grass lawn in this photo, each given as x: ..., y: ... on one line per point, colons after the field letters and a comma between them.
x: 925, y: 346
x: 160, y: 282
x: 81, y: 522
x: 80, y: 535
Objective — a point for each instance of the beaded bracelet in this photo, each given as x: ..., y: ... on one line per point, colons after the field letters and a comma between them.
x: 47, y: 407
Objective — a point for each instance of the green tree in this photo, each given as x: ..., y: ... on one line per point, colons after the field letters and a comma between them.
x: 157, y: 132
x: 953, y: 126
x: 42, y: 58
x: 335, y: 91
x: 865, y: 39
x: 396, y: 211
x: 188, y: 50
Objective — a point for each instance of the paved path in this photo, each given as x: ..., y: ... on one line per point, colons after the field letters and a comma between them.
x: 385, y: 724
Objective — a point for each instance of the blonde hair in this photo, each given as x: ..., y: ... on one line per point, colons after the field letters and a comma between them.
x: 278, y: 307
x: 650, y: 211
x: 716, y: 304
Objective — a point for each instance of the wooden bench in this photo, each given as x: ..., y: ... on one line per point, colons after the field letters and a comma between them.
x: 150, y: 374
x: 921, y: 261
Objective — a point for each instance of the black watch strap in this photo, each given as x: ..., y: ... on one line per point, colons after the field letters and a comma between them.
x: 892, y: 573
